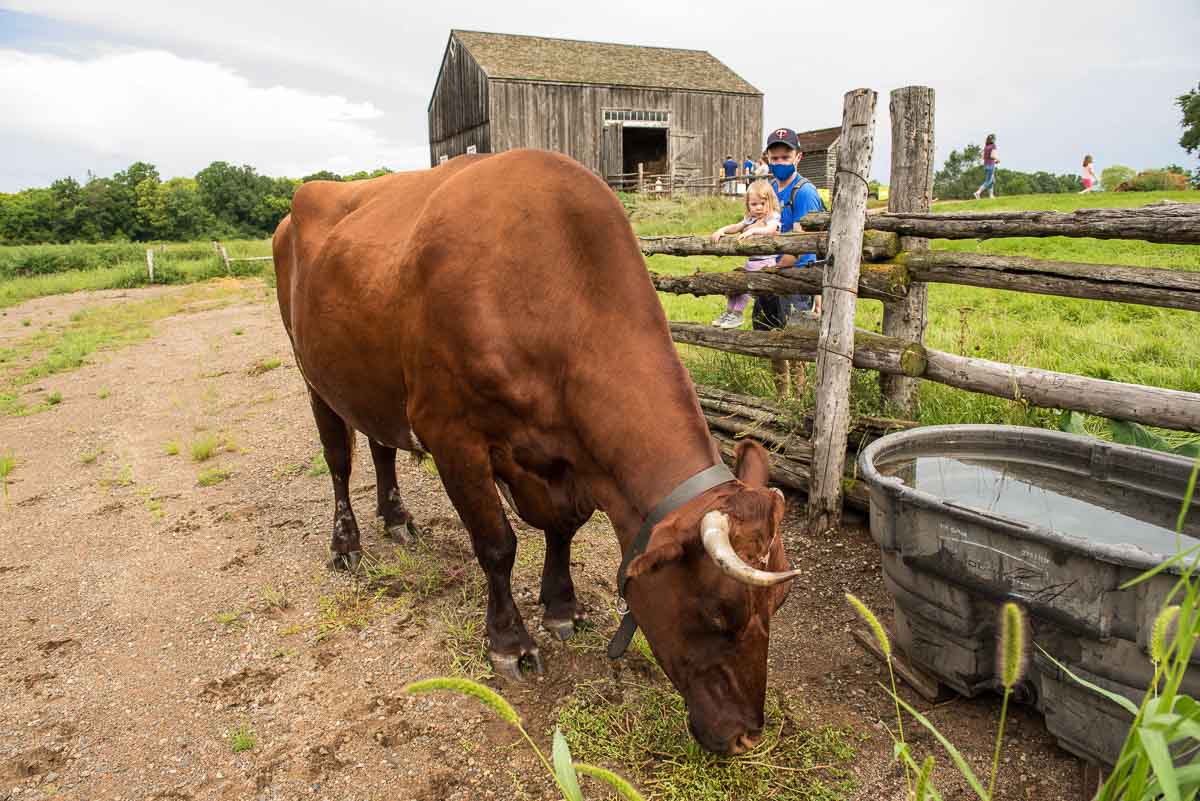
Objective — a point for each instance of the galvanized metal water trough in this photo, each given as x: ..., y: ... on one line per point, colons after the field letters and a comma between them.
x: 950, y: 563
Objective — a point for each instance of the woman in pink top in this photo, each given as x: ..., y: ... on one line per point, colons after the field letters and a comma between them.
x: 989, y: 167
x: 1090, y: 184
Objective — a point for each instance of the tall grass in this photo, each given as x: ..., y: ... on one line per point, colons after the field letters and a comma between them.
x: 27, y: 260
x: 126, y: 275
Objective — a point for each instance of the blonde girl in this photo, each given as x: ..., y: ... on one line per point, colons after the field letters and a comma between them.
x: 762, y: 217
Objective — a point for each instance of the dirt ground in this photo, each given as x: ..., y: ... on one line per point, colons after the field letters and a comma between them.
x: 147, y: 617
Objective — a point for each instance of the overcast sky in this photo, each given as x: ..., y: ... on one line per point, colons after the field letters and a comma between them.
x: 295, y: 87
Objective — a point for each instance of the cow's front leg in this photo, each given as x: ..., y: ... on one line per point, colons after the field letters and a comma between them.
x: 561, y: 614
x: 397, y: 522
x: 337, y: 440
x: 467, y: 476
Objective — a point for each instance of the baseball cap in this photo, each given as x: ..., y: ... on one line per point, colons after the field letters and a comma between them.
x: 783, y: 136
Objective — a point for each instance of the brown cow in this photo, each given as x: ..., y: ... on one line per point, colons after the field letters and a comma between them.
x: 496, y: 312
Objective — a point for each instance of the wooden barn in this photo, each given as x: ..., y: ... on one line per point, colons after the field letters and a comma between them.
x: 610, y: 106
x: 820, y: 155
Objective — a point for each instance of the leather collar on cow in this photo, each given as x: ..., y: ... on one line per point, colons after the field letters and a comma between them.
x: 691, y: 488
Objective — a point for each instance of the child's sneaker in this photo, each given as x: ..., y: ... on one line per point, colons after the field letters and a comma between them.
x: 728, y: 320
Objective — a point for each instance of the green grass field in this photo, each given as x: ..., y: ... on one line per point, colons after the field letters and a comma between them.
x: 1115, y: 341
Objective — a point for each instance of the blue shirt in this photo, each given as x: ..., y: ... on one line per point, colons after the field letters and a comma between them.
x: 747, y: 166
x: 807, y: 200
x: 730, y: 168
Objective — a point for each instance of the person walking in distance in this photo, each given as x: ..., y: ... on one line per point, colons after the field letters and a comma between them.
x: 1090, y: 184
x: 990, y: 161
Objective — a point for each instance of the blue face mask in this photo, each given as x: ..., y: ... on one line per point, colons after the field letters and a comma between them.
x: 782, y: 171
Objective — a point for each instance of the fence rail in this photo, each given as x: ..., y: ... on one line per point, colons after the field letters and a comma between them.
x: 890, y: 281
x: 1167, y: 223
x: 732, y: 416
x: 1165, y: 408
x: 877, y: 245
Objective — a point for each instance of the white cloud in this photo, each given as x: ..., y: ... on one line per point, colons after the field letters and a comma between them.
x: 181, y: 114
x: 1053, y: 80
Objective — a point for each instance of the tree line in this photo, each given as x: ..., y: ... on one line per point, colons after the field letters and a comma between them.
x: 222, y: 201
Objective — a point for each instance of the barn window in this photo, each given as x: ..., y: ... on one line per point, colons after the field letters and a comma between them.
x: 638, y: 118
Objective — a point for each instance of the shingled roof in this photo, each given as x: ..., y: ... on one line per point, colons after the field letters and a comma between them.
x: 820, y: 139
x: 535, y: 58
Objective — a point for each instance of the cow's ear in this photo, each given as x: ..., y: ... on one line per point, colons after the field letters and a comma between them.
x: 753, y: 466
x: 654, y: 558
x: 665, y: 546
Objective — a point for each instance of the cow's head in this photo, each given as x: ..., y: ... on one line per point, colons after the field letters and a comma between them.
x: 704, y: 590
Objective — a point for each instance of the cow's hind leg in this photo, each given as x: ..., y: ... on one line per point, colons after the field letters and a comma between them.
x: 337, y: 439
x: 397, y: 522
x: 561, y: 610
x: 467, y: 476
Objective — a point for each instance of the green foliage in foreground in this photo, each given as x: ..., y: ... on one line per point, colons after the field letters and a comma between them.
x: 563, y: 770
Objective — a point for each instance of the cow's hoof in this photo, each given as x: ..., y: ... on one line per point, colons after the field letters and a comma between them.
x: 562, y: 629
x: 348, y: 562
x: 404, y: 533
x: 508, y: 666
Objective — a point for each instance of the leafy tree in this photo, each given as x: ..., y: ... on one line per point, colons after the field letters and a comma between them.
x: 28, y: 216
x: 321, y: 175
x: 105, y: 210
x: 68, y: 199
x: 233, y: 194
x: 186, y: 216
x: 948, y: 180
x: 151, y: 208
x: 1189, y: 105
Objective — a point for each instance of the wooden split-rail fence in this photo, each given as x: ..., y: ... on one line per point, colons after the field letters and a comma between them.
x: 885, y: 257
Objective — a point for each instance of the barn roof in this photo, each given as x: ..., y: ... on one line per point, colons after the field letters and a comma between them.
x: 820, y: 139
x: 535, y: 58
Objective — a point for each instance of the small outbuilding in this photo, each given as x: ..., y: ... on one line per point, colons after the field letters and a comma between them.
x: 609, y: 106
x: 820, y: 155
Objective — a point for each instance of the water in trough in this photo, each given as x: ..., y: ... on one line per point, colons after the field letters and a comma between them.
x: 1055, y: 499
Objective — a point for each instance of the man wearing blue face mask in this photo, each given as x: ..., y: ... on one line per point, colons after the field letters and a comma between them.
x: 797, y: 197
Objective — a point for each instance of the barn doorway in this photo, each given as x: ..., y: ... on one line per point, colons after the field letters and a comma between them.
x: 647, y: 146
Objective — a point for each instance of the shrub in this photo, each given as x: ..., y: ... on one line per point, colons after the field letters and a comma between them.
x: 1158, y: 180
x: 1114, y: 176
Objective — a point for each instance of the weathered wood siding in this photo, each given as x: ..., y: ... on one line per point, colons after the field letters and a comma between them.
x: 819, y: 167
x: 458, y: 111
x: 568, y: 118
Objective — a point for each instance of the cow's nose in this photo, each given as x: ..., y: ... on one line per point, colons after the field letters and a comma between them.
x: 744, y: 742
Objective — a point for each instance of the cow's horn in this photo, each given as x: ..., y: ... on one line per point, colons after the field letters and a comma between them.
x: 714, y: 531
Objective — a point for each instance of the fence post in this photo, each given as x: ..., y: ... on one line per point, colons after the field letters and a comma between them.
x: 150, y: 263
x: 224, y: 257
x: 911, y: 190
x: 835, y: 348
x: 641, y: 187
